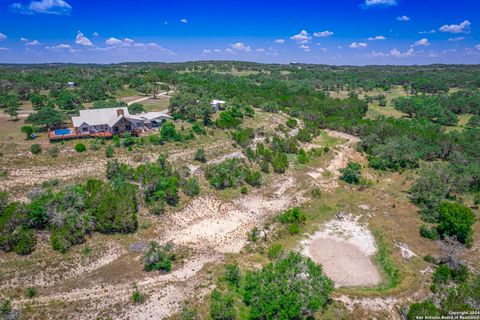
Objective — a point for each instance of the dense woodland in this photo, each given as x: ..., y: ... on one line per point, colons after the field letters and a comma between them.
x: 447, y: 162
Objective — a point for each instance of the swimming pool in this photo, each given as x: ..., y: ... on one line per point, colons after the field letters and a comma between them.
x: 62, y: 132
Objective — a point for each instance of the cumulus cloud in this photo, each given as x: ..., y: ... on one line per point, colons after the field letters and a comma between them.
x: 95, y: 34
x: 323, y: 34
x: 57, y: 7
x: 455, y: 39
x: 376, y: 38
x: 30, y: 43
x: 304, y: 47
x: 184, y: 20
x: 2, y: 36
x: 206, y: 51
x: 113, y: 41
x: 397, y: 54
x: 403, y: 18
x: 377, y: 3
x: 82, y: 40
x: 240, y: 47
x: 427, y: 32
x: 302, y: 38
x: 422, y: 42
x: 356, y: 45
x: 463, y: 27
x: 280, y: 41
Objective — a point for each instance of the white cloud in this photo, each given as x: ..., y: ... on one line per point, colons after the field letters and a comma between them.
x: 305, y: 48
x: 61, y: 47
x: 422, y: 42
x: 113, y: 41
x: 128, y: 42
x: 302, y: 37
x: 206, y: 51
x: 463, y: 27
x: 478, y: 46
x: 427, y: 32
x: 397, y: 54
x: 95, y: 34
x: 403, y: 18
x: 32, y: 43
x: 260, y: 50
x: 2, y: 36
x: 280, y: 41
x: 356, y: 45
x: 217, y: 50
x: 454, y: 39
x: 58, y: 7
x: 323, y: 34
x: 184, y: 20
x: 82, y: 40
x: 376, y: 38
x: 386, y: 3
x: 4, y: 49
x: 240, y: 47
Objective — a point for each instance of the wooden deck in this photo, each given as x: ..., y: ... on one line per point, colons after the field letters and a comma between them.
x: 74, y: 135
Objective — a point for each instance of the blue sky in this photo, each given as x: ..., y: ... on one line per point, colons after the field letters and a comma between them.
x: 356, y: 32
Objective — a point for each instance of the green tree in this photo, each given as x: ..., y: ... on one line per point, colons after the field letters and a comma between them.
x: 136, y: 108
x: 293, y: 287
x: 456, y: 220
x: 28, y: 130
x: 351, y: 174
x: 48, y: 117
x: 222, y: 306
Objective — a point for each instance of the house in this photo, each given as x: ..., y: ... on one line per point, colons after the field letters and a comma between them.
x: 116, y: 120
x: 217, y: 104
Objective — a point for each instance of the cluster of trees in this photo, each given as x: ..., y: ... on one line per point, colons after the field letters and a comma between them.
x: 454, y: 289
x: 292, y: 287
x: 71, y: 214
x: 231, y: 173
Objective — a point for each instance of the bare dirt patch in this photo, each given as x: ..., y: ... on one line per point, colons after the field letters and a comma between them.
x: 344, y: 248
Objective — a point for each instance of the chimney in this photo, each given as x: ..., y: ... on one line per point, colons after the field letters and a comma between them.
x: 120, y: 112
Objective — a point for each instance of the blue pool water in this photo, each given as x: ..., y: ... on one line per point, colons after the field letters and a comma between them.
x: 62, y: 132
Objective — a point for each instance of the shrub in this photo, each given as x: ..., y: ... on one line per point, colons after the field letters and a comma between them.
x: 35, y: 148
x: 316, y: 192
x: 159, y: 257
x: 456, y: 220
x: 275, y: 251
x: 293, y: 215
x: 53, y: 152
x: 351, y: 174
x: 137, y: 297
x: 229, y: 173
x: 158, y: 207
x: 28, y: 130
x: 221, y: 306
x: 270, y: 107
x: 199, y: 128
x: 304, y: 135
x: 80, y: 147
x: 291, y: 288
x: 5, y: 308
x: 109, y: 152
x: 232, y: 274
x: 25, y: 241
x: 243, y: 190
x: 191, y: 187
x: 302, y: 157
x: 442, y: 275
x: 200, y: 156
x: 422, y: 310
x: 429, y: 233
x: 30, y: 292
x: 254, y: 178
x: 280, y: 163
x: 243, y: 136
x: 292, y: 123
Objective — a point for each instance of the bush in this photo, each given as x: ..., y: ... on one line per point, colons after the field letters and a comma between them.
x: 53, y: 152
x: 293, y: 287
x: 243, y: 136
x: 35, y: 148
x: 351, y: 174
x: 28, y: 130
x: 280, y: 163
x: 422, y: 310
x: 109, y: 152
x: 221, y: 306
x: 442, y: 275
x: 80, y: 147
x: 429, y: 233
x: 254, y: 178
x: 137, y: 297
x: 229, y: 173
x: 26, y: 241
x: 158, y: 207
x: 456, y: 220
x: 30, y: 292
x: 200, y: 156
x: 191, y: 187
x: 275, y: 251
x: 292, y: 123
x: 243, y: 190
x: 293, y: 215
x: 302, y: 157
x: 159, y: 257
x: 232, y: 274
x: 270, y: 107
x: 5, y: 308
